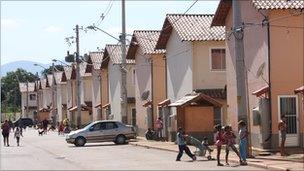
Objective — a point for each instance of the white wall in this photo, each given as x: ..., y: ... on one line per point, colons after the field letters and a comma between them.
x: 115, y: 90
x: 179, y: 67
x: 59, y: 102
x: 95, y: 94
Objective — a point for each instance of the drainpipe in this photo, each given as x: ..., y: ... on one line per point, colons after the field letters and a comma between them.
x: 152, y: 96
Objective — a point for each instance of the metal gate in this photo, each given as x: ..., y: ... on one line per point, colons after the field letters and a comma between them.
x: 288, y: 106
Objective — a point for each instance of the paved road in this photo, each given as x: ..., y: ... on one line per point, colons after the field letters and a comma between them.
x: 50, y: 152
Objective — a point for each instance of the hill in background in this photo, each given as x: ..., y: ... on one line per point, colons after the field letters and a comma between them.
x: 26, y: 65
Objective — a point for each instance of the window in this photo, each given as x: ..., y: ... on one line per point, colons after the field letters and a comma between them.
x: 111, y: 125
x: 32, y: 96
x: 133, y: 116
x: 96, y: 127
x: 218, y: 59
x: 133, y: 77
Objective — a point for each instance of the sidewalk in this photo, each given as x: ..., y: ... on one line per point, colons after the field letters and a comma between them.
x: 272, y: 162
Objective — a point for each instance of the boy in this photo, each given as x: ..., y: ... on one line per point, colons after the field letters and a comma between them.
x: 243, y: 141
x: 180, y: 137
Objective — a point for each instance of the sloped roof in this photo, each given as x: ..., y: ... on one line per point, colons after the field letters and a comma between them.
x: 23, y: 87
x: 83, y: 66
x: 146, y: 39
x: 96, y: 59
x: 70, y: 72
x: 225, y: 5
x: 113, y: 53
x: 44, y: 83
x: 278, y: 4
x: 60, y: 77
x: 189, y: 98
x: 190, y: 27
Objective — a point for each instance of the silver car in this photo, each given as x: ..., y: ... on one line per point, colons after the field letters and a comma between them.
x: 102, y: 131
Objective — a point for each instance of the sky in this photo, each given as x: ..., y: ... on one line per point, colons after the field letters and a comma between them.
x: 36, y: 30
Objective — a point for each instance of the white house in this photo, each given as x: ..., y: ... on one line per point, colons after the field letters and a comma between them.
x: 112, y: 63
x: 28, y: 100
x: 195, y: 72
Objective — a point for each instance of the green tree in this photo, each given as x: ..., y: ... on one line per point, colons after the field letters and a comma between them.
x: 10, y: 93
x: 50, y: 69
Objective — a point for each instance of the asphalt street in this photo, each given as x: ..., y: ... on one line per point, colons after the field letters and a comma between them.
x: 51, y: 152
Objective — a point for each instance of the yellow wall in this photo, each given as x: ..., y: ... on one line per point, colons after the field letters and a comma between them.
x: 104, y: 90
x: 287, y: 63
x: 158, y: 82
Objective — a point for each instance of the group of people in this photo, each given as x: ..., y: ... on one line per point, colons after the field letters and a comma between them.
x: 6, y: 129
x: 223, y: 136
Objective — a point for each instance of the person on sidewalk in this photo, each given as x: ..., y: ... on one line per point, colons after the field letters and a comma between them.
x: 229, y: 137
x: 243, y: 133
x: 283, y: 129
x: 159, y: 128
x: 182, y: 146
x: 18, y: 134
x: 5, y: 132
x: 219, y: 141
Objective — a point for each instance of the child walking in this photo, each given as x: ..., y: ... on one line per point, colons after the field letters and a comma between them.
x: 219, y: 141
x: 18, y: 133
x: 243, y: 133
x: 229, y: 137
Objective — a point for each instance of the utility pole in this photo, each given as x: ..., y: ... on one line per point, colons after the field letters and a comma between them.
x: 123, y: 67
x: 78, y: 79
x: 53, y: 96
x: 27, y: 99
x: 37, y: 96
x: 242, y: 100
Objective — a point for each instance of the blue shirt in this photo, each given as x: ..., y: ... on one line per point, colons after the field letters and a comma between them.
x: 180, y: 139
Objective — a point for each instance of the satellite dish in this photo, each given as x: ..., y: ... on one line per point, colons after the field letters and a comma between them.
x: 260, y: 71
x: 145, y: 95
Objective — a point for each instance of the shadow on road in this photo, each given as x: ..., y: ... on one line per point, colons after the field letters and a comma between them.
x: 97, y: 145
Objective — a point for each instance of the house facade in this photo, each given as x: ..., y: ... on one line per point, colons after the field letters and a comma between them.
x: 146, y: 99
x: 95, y: 59
x: 195, y: 73
x: 28, y: 100
x: 61, y: 95
x: 273, y: 46
x: 112, y: 64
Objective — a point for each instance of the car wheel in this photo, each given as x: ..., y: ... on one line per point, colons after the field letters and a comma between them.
x: 120, y: 139
x: 80, y: 141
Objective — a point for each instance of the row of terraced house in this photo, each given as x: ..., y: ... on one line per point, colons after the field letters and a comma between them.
x: 186, y: 73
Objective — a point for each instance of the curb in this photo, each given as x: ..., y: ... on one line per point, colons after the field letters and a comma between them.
x: 259, y: 165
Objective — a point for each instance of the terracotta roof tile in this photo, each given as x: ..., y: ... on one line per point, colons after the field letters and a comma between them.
x: 68, y: 71
x: 213, y: 93
x: 147, y: 40
x: 114, y: 52
x: 196, y: 27
x: 96, y: 58
x: 23, y: 87
x: 278, y: 4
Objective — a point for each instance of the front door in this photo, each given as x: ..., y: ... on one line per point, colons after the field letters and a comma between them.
x: 288, y: 106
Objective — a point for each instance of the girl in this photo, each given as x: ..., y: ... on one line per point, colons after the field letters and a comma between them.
x: 18, y: 133
x: 229, y: 137
x: 243, y: 141
x: 219, y: 141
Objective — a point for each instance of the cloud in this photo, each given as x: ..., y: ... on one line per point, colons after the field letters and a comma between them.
x: 53, y: 29
x: 10, y: 23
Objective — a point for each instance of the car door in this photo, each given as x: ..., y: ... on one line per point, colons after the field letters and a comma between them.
x: 95, y: 133
x: 111, y: 131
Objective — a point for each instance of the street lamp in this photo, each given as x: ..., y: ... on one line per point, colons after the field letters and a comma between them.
x: 93, y: 27
x: 63, y: 63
